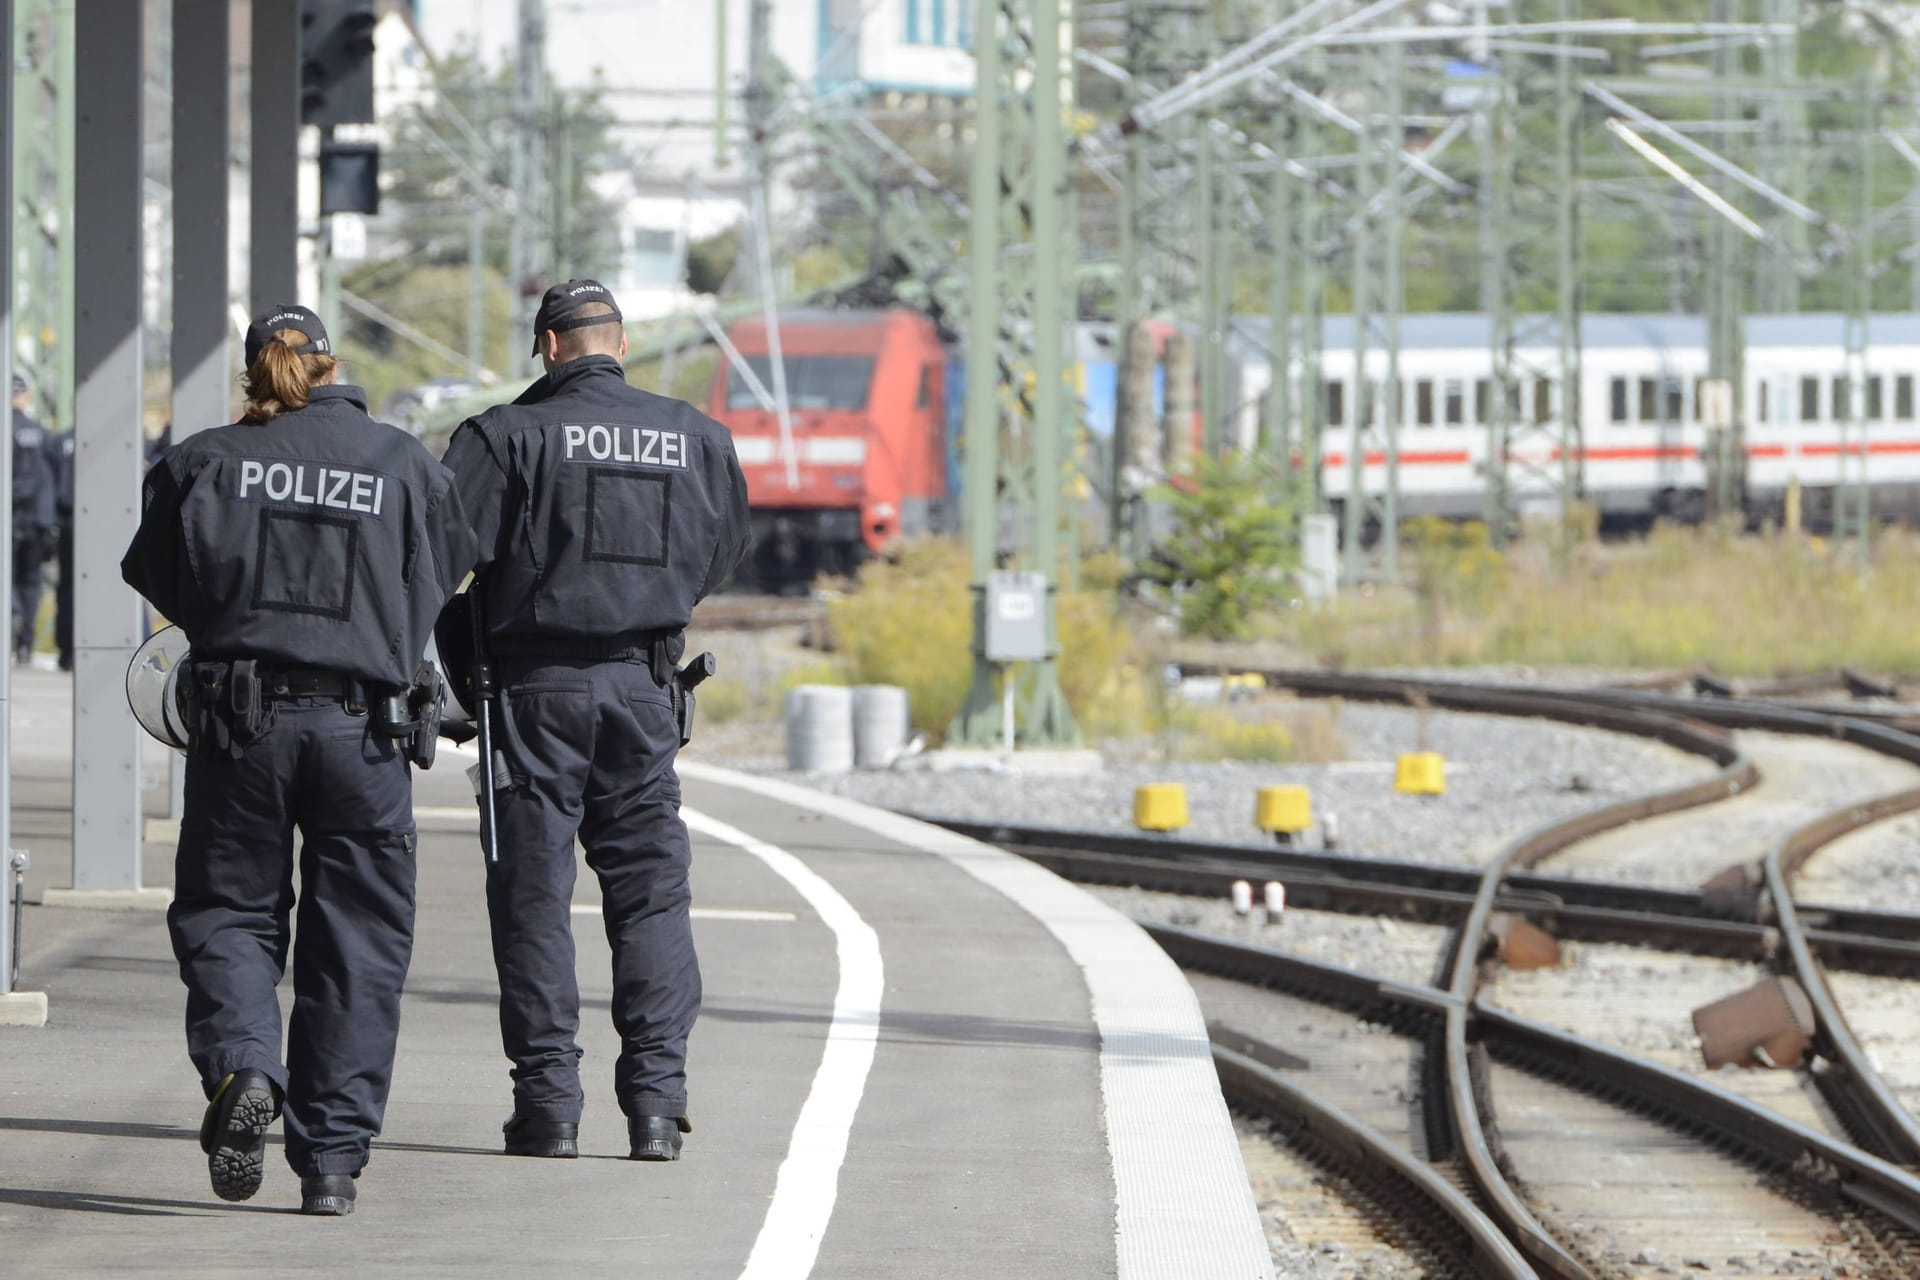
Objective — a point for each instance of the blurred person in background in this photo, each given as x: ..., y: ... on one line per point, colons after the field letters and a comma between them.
x: 62, y: 448
x: 35, y: 488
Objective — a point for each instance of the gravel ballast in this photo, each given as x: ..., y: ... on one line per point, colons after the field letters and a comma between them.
x: 1505, y: 776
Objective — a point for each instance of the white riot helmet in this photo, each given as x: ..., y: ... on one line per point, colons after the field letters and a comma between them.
x: 153, y: 686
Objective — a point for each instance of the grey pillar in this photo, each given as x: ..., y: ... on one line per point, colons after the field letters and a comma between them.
x: 200, y: 146
x: 107, y: 276
x: 201, y: 140
x: 275, y: 152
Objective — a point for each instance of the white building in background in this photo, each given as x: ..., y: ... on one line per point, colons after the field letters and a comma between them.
x: 660, y: 220
x: 655, y: 60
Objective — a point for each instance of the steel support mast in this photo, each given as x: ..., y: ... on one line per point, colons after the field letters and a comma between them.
x: 1374, y: 406
x: 1535, y: 449
x: 1853, y: 510
x: 1017, y: 416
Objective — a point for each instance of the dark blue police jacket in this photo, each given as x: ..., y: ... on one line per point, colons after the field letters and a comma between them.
x: 320, y: 539
x: 603, y: 511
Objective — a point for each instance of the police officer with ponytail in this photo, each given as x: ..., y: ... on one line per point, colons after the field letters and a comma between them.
x: 305, y: 551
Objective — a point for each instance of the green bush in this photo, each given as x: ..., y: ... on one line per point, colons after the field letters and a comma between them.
x: 908, y: 621
x: 1232, y: 550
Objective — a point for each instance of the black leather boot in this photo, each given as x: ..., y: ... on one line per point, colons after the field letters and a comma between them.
x: 552, y: 1139
x: 656, y: 1137
x: 327, y: 1195
x: 233, y: 1133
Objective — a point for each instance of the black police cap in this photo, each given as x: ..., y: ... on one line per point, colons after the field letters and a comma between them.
x: 559, y: 308
x: 287, y: 315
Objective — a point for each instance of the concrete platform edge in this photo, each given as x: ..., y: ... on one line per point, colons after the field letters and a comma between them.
x: 1184, y: 1208
x: 23, y: 1009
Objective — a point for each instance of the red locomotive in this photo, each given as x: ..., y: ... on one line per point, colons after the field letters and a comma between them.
x: 866, y: 460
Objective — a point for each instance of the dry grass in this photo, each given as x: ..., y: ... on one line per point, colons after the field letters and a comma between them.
x: 1763, y: 605
x: 1263, y: 732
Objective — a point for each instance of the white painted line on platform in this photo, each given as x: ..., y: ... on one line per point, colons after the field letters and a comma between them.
x: 708, y: 913
x: 446, y: 813
x: 1184, y: 1210
x: 809, y: 1180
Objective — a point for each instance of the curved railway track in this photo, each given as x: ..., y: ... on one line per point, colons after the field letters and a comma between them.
x: 1471, y: 1049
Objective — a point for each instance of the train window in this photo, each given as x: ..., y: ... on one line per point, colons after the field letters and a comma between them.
x: 1336, y: 402
x: 1876, y: 407
x: 1542, y: 400
x: 1482, y: 401
x: 1763, y: 401
x: 1649, y: 400
x: 1456, y: 401
x: 1903, y: 398
x: 1809, y: 399
x: 1617, y: 400
x: 1842, y: 400
x: 1423, y: 402
x: 1676, y: 406
x: 813, y: 382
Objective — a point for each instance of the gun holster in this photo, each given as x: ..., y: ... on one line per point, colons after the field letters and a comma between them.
x: 411, y: 716
x: 680, y: 688
x: 227, y: 709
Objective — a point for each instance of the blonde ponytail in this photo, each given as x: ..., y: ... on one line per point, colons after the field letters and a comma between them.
x: 280, y: 380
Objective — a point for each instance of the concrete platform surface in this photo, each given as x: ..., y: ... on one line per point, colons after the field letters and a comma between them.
x: 898, y: 1073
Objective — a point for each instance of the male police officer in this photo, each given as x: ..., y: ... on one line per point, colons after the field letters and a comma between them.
x: 604, y: 513
x: 34, y: 486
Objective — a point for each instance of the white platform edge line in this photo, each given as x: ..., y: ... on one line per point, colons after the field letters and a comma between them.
x: 1184, y: 1204
x: 809, y: 1179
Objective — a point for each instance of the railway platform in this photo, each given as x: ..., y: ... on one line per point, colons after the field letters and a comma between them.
x: 918, y: 1057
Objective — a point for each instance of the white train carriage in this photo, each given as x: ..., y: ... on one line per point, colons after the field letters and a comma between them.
x: 1642, y: 412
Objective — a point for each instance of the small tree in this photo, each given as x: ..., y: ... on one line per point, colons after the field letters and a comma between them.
x: 1232, y: 550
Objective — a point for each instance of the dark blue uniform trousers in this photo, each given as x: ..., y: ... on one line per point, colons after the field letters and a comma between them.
x: 350, y: 794
x: 29, y: 579
x: 591, y: 748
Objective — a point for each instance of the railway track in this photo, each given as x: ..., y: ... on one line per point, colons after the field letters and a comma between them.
x: 1851, y: 1181
x: 1848, y: 1081
x: 1581, y: 1136
x: 1706, y: 922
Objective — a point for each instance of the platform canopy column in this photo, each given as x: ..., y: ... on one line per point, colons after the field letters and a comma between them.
x: 109, y: 204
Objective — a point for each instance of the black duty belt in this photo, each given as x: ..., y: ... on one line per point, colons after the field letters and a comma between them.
x: 308, y: 682
x: 631, y: 644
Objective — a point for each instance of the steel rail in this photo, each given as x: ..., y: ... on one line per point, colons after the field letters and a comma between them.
x: 1751, y: 1128
x: 1843, y: 938
x: 1258, y: 1088
x: 1853, y: 1086
x: 1464, y: 1087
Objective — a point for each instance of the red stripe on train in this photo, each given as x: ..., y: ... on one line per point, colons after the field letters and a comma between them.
x: 1634, y: 453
